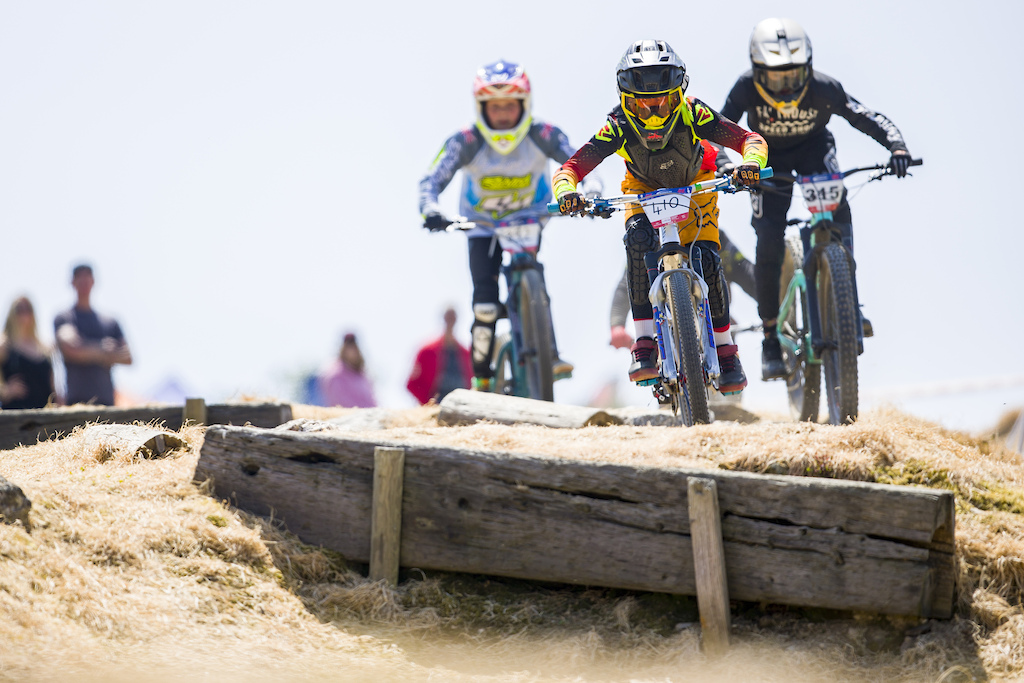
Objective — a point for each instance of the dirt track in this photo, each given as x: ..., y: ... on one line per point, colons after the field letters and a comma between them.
x: 132, y: 568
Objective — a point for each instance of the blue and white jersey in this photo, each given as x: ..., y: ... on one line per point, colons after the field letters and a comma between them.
x: 497, y: 187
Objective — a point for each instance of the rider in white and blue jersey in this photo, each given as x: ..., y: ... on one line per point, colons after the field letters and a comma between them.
x: 504, y: 162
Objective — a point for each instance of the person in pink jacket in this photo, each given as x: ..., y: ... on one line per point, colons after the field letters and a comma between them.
x: 344, y: 383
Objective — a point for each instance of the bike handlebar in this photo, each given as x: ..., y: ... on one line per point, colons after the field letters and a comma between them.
x: 723, y: 184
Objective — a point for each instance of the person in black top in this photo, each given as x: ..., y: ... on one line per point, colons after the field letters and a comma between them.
x: 26, y: 373
x: 789, y: 103
x: 91, y: 345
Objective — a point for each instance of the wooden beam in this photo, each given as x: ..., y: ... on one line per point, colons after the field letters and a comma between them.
x: 26, y: 427
x: 794, y: 540
x: 461, y: 407
x: 386, y: 527
x: 709, y: 564
x: 194, y: 411
x: 130, y: 440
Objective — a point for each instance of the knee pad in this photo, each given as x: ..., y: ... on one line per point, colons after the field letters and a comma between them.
x: 709, y: 265
x: 639, y: 239
x: 487, y: 313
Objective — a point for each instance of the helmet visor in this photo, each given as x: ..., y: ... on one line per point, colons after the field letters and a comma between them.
x: 653, y: 110
x: 784, y: 81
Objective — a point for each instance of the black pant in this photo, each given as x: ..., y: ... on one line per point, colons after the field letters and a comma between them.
x: 817, y: 155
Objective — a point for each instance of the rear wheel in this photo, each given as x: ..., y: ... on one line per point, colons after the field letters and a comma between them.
x: 687, y: 352
x: 536, y: 355
x: 839, y: 332
x: 804, y: 380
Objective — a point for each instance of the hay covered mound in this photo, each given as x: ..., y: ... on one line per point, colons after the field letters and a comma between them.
x: 132, y: 569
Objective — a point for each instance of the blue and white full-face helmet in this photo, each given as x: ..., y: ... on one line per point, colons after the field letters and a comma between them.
x: 502, y: 80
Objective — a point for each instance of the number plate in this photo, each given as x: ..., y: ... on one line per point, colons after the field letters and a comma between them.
x: 666, y: 208
x: 516, y: 238
x: 822, y: 192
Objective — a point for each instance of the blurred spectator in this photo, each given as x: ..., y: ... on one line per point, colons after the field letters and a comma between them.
x: 26, y: 373
x: 91, y: 345
x: 344, y: 383
x: 441, y: 366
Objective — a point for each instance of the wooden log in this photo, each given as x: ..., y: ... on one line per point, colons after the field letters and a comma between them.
x: 129, y: 440
x: 386, y: 527
x: 793, y: 540
x: 26, y: 427
x: 462, y: 407
x: 709, y: 564
x: 194, y: 411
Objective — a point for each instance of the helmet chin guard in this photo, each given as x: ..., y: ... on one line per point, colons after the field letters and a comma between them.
x: 502, y: 80
x: 652, y: 80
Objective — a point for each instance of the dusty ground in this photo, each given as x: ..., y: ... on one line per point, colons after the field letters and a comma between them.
x: 132, y: 569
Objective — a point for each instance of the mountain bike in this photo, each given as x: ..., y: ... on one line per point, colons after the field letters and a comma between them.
x: 820, y: 327
x: 687, y: 359
x: 523, y: 358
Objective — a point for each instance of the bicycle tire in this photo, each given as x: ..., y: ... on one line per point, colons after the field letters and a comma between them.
x: 501, y: 361
x: 838, y: 310
x: 687, y: 352
x: 804, y: 381
x: 535, y: 320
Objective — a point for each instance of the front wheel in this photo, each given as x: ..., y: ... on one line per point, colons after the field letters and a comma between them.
x: 504, y: 368
x: 536, y: 355
x: 838, y: 311
x: 687, y: 351
x: 804, y: 380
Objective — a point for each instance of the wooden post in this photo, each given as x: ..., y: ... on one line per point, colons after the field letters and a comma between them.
x: 194, y: 411
x: 386, y: 523
x: 709, y: 564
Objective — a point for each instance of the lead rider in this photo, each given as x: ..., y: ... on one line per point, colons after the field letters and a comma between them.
x: 661, y: 134
x: 504, y: 161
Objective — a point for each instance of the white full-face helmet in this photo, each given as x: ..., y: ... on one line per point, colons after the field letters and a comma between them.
x: 780, y: 54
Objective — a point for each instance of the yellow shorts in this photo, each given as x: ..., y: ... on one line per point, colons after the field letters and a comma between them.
x: 703, y: 210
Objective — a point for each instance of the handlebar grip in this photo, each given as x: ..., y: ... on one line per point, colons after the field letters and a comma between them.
x: 553, y: 208
x: 767, y: 172
x: 916, y: 162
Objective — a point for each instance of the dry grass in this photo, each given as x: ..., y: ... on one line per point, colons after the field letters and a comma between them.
x: 132, y: 569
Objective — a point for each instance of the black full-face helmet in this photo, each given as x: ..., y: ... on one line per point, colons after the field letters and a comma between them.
x: 652, y: 79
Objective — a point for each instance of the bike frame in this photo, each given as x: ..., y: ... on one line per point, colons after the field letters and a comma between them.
x: 521, y: 259
x: 814, y: 237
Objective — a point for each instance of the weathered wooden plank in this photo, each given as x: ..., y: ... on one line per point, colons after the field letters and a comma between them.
x: 194, y: 411
x: 386, y: 525
x: 709, y: 564
x: 462, y: 407
x: 792, y: 540
x: 26, y: 427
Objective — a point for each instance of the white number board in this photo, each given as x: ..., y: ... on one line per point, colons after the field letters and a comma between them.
x: 667, y: 208
x: 822, y: 192
x: 516, y: 238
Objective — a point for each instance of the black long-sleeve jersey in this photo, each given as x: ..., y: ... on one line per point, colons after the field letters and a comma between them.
x: 788, y: 127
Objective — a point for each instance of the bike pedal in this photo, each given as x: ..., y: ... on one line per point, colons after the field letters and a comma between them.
x: 647, y: 382
x: 562, y: 375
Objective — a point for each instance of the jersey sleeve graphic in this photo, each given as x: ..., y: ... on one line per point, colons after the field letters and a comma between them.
x: 458, y: 150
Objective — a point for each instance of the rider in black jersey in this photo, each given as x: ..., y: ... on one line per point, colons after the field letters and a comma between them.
x: 789, y: 103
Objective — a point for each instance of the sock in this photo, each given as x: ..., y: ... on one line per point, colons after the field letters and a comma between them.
x: 644, y: 328
x: 723, y: 337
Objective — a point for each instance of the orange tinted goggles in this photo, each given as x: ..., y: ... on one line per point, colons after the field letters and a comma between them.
x: 653, y: 110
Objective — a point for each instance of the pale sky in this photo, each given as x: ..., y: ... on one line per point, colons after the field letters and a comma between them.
x: 243, y: 175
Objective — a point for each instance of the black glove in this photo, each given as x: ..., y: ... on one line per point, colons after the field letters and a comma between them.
x: 571, y: 204
x: 899, y: 161
x: 747, y: 174
x: 435, y: 222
